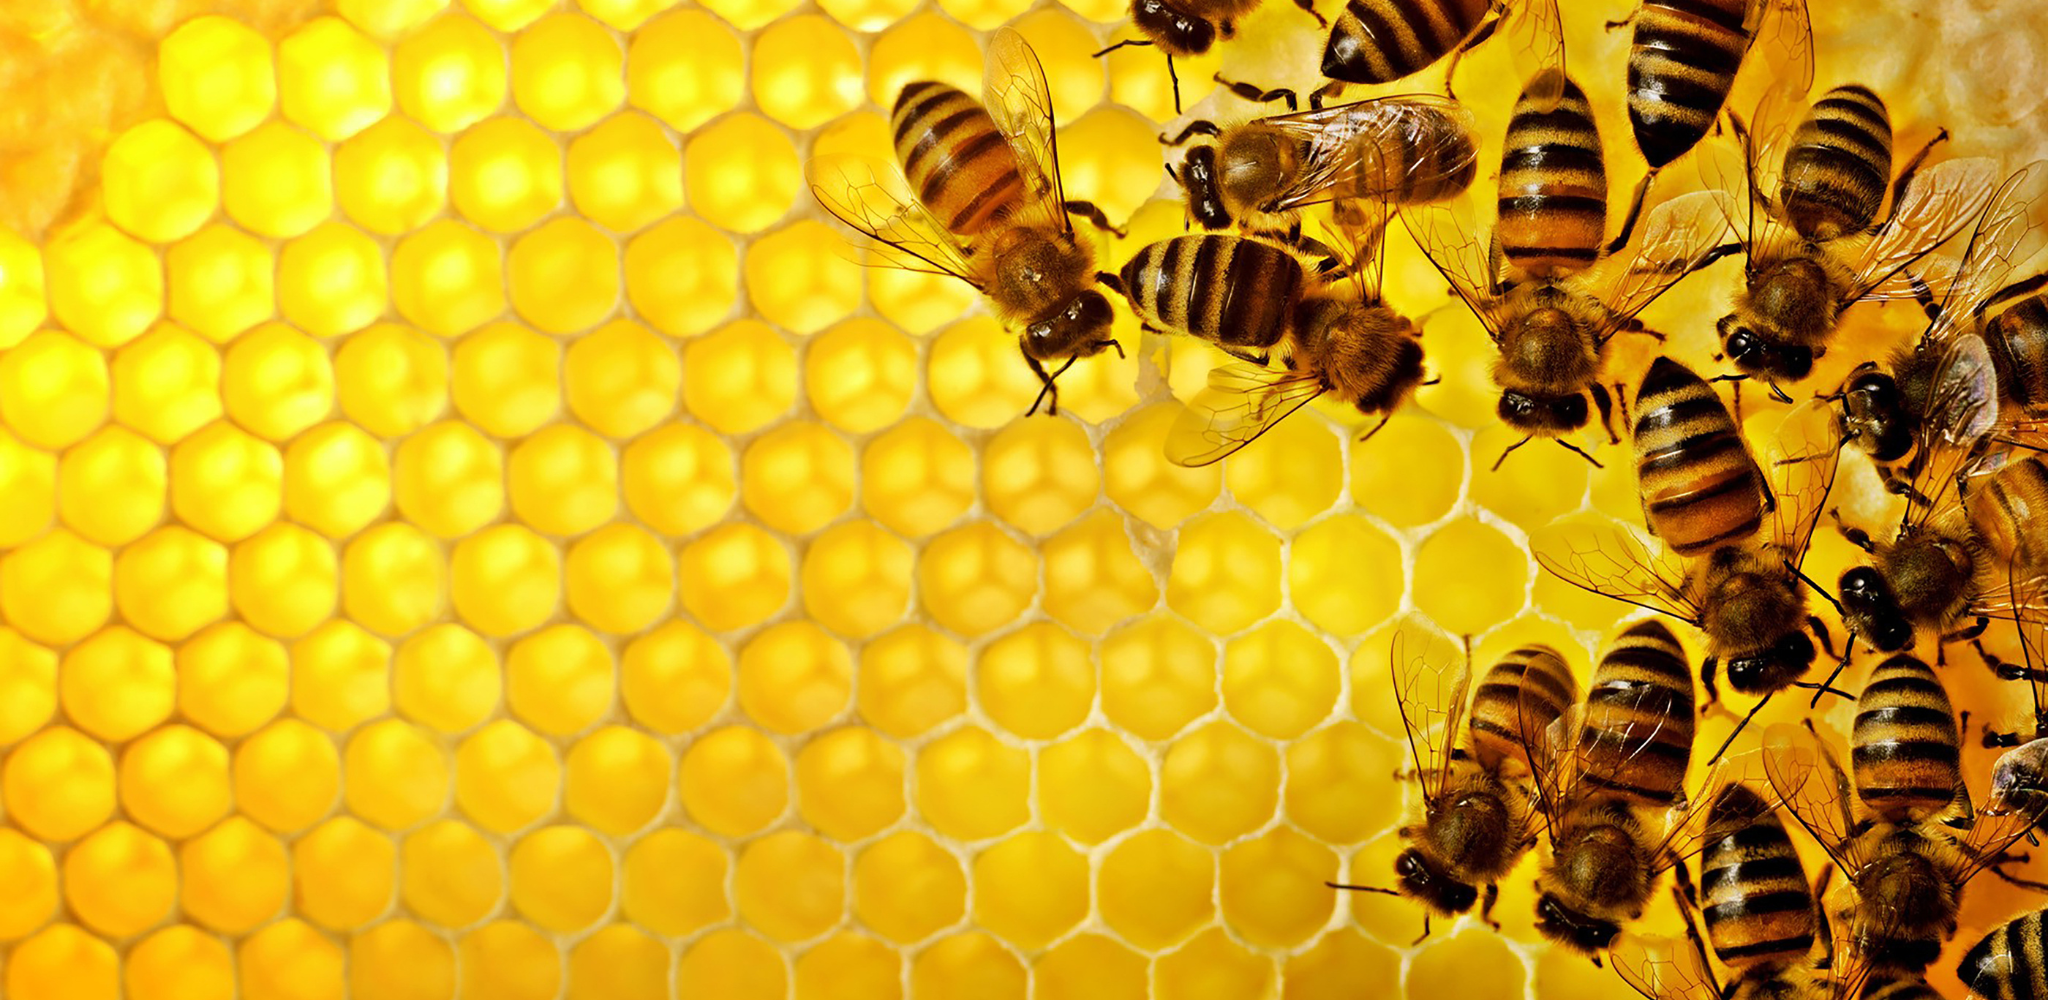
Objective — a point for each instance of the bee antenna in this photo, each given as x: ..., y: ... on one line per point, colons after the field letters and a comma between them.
x: 1362, y: 888
x: 1511, y: 450
x: 1574, y: 449
x: 1730, y: 741
x: 1133, y: 42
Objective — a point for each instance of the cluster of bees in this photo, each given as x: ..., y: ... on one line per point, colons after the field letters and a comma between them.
x: 1809, y: 193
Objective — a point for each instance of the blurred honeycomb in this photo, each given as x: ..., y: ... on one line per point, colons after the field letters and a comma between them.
x: 468, y: 528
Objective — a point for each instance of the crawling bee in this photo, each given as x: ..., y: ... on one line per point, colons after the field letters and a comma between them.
x: 1380, y: 41
x: 1684, y: 56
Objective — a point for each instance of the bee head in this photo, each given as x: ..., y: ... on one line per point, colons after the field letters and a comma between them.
x: 1874, y: 415
x: 1565, y: 926
x: 1205, y: 197
x: 1756, y: 352
x: 1773, y: 668
x: 1079, y: 329
x: 1429, y: 886
x: 1534, y: 413
x: 1175, y: 31
x: 1874, y: 610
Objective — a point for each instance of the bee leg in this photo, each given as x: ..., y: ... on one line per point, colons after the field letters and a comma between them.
x: 1260, y: 358
x: 1112, y: 282
x: 1310, y: 7
x: 1195, y: 128
x: 1384, y: 417
x: 1323, y: 93
x: 1425, y: 930
x: 1088, y: 210
x: 1635, y: 212
x: 1109, y: 345
x: 1574, y: 449
x: 1904, y: 182
x: 1606, y: 405
x: 1132, y: 42
x: 1509, y: 450
x: 1486, y: 30
x: 1856, y: 536
x: 1049, y: 391
x: 1998, y: 869
x: 1251, y: 92
x: 1820, y: 631
x: 2025, y: 286
x: 1173, y: 77
x: 1730, y: 741
x: 1486, y: 906
x: 1969, y: 633
x: 1624, y: 22
x: 1707, y: 682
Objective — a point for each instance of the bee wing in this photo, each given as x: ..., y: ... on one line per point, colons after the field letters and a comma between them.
x: 1362, y: 227
x: 1463, y: 252
x: 1961, y: 409
x: 2005, y: 236
x: 1692, y: 825
x: 1241, y: 402
x: 1804, y: 459
x: 1943, y: 199
x: 1432, y: 698
x: 1782, y: 34
x: 1810, y: 782
x: 1536, y: 33
x: 1677, y: 236
x: 1378, y: 149
x: 1747, y: 165
x: 1014, y: 88
x: 905, y: 234
x: 1985, y: 842
x: 1607, y: 560
x: 1662, y: 969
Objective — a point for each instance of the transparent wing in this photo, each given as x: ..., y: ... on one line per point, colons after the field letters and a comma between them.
x: 1362, y: 227
x: 1809, y: 781
x: 905, y: 234
x: 1748, y: 163
x: 1380, y: 149
x: 1432, y: 696
x: 1804, y: 459
x: 1461, y: 251
x: 1661, y: 968
x: 1690, y: 827
x: 1536, y: 32
x: 1014, y: 88
x: 1961, y: 409
x: 1241, y: 402
x: 1986, y: 841
x: 2005, y: 236
x: 1607, y: 560
x: 1944, y: 198
x: 1783, y: 39
x: 1677, y: 235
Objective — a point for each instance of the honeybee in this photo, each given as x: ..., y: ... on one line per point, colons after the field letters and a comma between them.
x: 988, y: 209
x: 1565, y: 292
x: 2007, y: 507
x: 1810, y: 226
x: 1700, y: 487
x: 1380, y: 41
x: 1683, y: 59
x: 2011, y: 962
x: 1189, y: 28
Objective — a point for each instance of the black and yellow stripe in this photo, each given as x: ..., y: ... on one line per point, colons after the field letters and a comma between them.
x: 2018, y: 339
x: 1228, y: 290
x: 1753, y: 890
x: 1838, y: 164
x: 1517, y: 700
x: 2011, y: 963
x: 1380, y: 41
x: 1904, y: 748
x: 1637, y: 735
x: 960, y: 166
x: 1681, y: 63
x: 1881, y: 988
x: 1410, y: 155
x: 2008, y: 509
x: 1553, y: 186
x: 1700, y: 488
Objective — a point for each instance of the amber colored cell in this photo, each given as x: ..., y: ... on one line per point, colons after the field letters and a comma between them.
x: 159, y: 182
x: 1037, y: 682
x: 564, y: 275
x: 911, y: 680
x: 971, y: 786
x: 172, y: 583
x: 505, y: 580
x: 1226, y: 573
x: 290, y: 960
x: 714, y: 391
x: 337, y: 479
x: 1475, y: 962
x: 234, y: 876
x: 797, y: 477
x: 563, y: 480
x: 679, y: 479
x: 53, y: 389
x: 734, y: 576
x: 110, y: 488
x: 23, y: 302
x: 446, y: 678
x: 505, y: 174
x: 917, y: 477
x: 397, y: 774
x: 332, y: 281
x: 388, y: 19
x: 284, y: 580
x: 1338, y: 965
x: 1447, y: 591
x: 29, y: 495
x: 391, y: 380
x: 1272, y: 888
x: 850, y: 783
x: 120, y: 881
x: 507, y: 960
x: 1040, y: 474
x: 567, y: 72
x: 217, y: 76
x: 620, y: 579
x: 1213, y: 966
x: 860, y: 375
x: 506, y: 778
x: 276, y: 181
x: 1292, y: 474
x: 103, y: 286
x: 332, y: 80
x: 221, y: 281
x: 507, y: 379
x: 1108, y: 163
x: 674, y: 883
x: 741, y: 174
x: 975, y: 376
x: 906, y: 887
x: 971, y: 966
x: 450, y: 74
x: 167, y: 384
x: 1345, y: 575
x: 923, y: 46
x: 794, y: 677
x: 618, y: 780
x: 180, y: 963
x: 734, y: 781
x: 790, y: 886
x: 1030, y: 889
x: 346, y: 874
x: 675, y: 678
x: 732, y: 963
x: 976, y: 578
x: 32, y: 880
x: 856, y: 579
x: 118, y: 684
x: 1279, y: 679
x: 1218, y: 783
x: 1090, y: 967
x: 451, y: 875
x: 618, y: 962
x: 1140, y: 479
x: 684, y: 67
x: 682, y: 276
x: 1560, y: 973
x: 1155, y: 888
x: 849, y: 966
x: 340, y: 676
x: 63, y: 963
x: 1093, y: 786
x: 401, y: 960
x: 1534, y: 487
x: 174, y: 781
x: 1093, y: 579
x: 801, y: 279
x: 561, y: 878
x: 1157, y: 676
x: 28, y: 686
x: 59, y: 784
x: 559, y: 680
x: 805, y: 71
x: 1329, y: 774
x: 287, y: 776
x: 622, y: 379
x: 58, y: 588
x: 448, y: 278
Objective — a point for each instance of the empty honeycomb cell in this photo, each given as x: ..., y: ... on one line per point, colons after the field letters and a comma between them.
x: 31, y: 877
x: 984, y: 15
x: 620, y: 579
x: 287, y: 776
x: 856, y: 579
x: 1447, y: 591
x: 741, y: 174
x: 1093, y: 786
x: 1345, y: 574
x: 917, y: 477
x: 448, y: 278
x: 1408, y: 494
x: 331, y: 79
x: 919, y: 301
x: 685, y: 68
x: 563, y: 480
x: 233, y: 877
x: 561, y: 878
x: 401, y: 960
x: 1108, y: 162
x: 1090, y: 967
x: 337, y: 479
x: 1560, y: 973
x: 159, y: 182
x: 63, y: 963
x: 221, y: 281
x: 734, y: 781
x: 1137, y: 76
x: 174, y: 781
x: 179, y: 962
x: 1155, y: 888
x: 618, y: 780
x: 391, y: 379
x: 618, y: 962
x: 276, y: 181
x: 225, y: 482
x: 28, y: 489
x: 850, y: 783
x: 1065, y: 48
x: 23, y: 302
x: 110, y: 488
x: 733, y: 576
x: 505, y: 580
x: 53, y: 389
x: 217, y: 76
x: 1213, y: 967
x: 172, y: 583
x: 346, y: 874
x: 28, y: 686
x: 507, y: 379
x: 567, y: 72
x: 679, y: 479
x: 971, y: 786
x: 1337, y: 781
x: 507, y: 960
x: 682, y: 276
x: 103, y: 286
x: 450, y: 74
x: 622, y: 379
x: 389, y: 19
x: 59, y: 784
x: 923, y: 46
x: 911, y: 680
x: 121, y: 880
x: 564, y: 275
x: 1336, y: 966
x: 975, y: 579
x: 1475, y: 962
x: 1218, y: 783
x: 118, y: 684
x: 976, y: 377
x: 284, y: 580
x: 906, y: 888
x: 58, y: 588
x: 1030, y: 889
x: 1040, y: 474
x: 790, y: 886
x: 1292, y: 474
x: 1272, y: 888
x: 1141, y: 481
x: 1158, y: 675
x: 1279, y: 679
x: 397, y: 774
x: 505, y: 174
x: 1093, y: 579
x: 446, y: 678
x: 970, y: 966
x: 167, y: 384
x: 277, y: 382
x: 849, y: 966
x: 732, y: 963
x: 1462, y: 354
x: 560, y: 680
x: 674, y: 883
x: 794, y: 677
x: 806, y: 71
x: 1534, y: 487
x: 340, y: 676
x: 1037, y: 682
x: 450, y: 875
x: 675, y: 678
x: 1226, y: 573
x: 394, y: 579
x: 290, y: 960
x: 797, y: 477
x: 860, y: 375
x: 331, y: 280
x: 800, y: 277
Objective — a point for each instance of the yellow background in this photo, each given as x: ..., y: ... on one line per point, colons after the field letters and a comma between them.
x: 467, y: 529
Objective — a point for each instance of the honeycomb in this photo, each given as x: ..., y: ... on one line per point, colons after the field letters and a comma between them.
x: 470, y: 529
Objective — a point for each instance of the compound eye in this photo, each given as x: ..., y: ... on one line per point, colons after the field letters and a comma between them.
x: 1570, y: 411
x: 1741, y: 343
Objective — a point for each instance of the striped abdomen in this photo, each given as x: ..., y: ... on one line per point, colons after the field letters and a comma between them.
x: 1637, y: 734
x: 1838, y: 164
x: 1412, y: 155
x: 1753, y: 891
x: 1379, y: 41
x: 2018, y: 339
x: 1516, y: 701
x: 958, y: 164
x: 2009, y: 510
x: 1700, y: 487
x: 1680, y: 65
x: 1224, y: 289
x: 1553, y: 186
x: 1905, y: 751
x: 1878, y: 988
x: 2011, y: 961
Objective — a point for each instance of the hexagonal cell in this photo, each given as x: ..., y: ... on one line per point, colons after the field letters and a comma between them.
x: 1158, y: 675
x: 234, y: 876
x: 561, y: 878
x: 685, y: 68
x: 1218, y: 783
x: 622, y: 379
x: 1040, y: 474
x: 560, y: 680
x: 800, y: 278
x: 1093, y: 786
x: 1338, y: 963
x: 451, y: 874
x: 856, y: 579
x: 679, y: 479
x: 1273, y: 889
x: 1535, y: 487
x: 618, y: 780
x: 1333, y: 777
x: 1155, y: 888
x: 506, y: 778
x: 506, y: 958
x: 563, y: 480
x: 221, y: 282
x: 331, y: 280
x: 848, y: 964
x: 675, y: 678
x: 733, y: 576
x: 59, y: 784
x: 446, y: 678
x: 1091, y: 967
x: 103, y: 286
x: 23, y: 303
x: 217, y: 76
x: 564, y: 275
x: 175, y: 781
x: 505, y: 580
x: 1093, y: 579
x: 276, y: 381
x: 976, y: 578
x: 967, y: 965
x: 911, y: 680
x: 1279, y: 679
x: 287, y: 776
x: 618, y: 961
x: 392, y: 380
x: 741, y: 174
x: 1214, y: 965
x: 1140, y: 479
x: 797, y: 477
x: 732, y: 963
x: 971, y: 786
x: 118, y: 684
x: 860, y: 375
x: 120, y: 881
x: 57, y: 589
x: 53, y: 390
x: 284, y: 580
x: 734, y: 781
x: 567, y: 72
x: 507, y: 379
x: 984, y: 15
x: 276, y: 181
x: 110, y: 488
x: 336, y: 479
x: 397, y: 774
x: 63, y: 962
x: 159, y: 181
x: 340, y: 676
x: 918, y: 301
x: 1475, y: 961
x: 403, y: 960
x: 29, y: 495
x: 806, y: 71
x: 675, y: 883
x: 1032, y: 888
x: 620, y: 579
x: 1345, y: 575
x: 1408, y: 494
x: 1448, y: 592
x: 28, y: 686
x: 917, y: 477
x: 906, y: 887
x: 392, y: 177
x: 286, y: 958
x: 1291, y: 475
x: 682, y: 276
x: 791, y: 886
x: 850, y: 783
x: 794, y: 677
x: 1226, y: 573
x: 505, y: 174
x: 179, y: 961
x: 346, y: 874
x: 1037, y: 682
x: 923, y: 46
x: 332, y: 80
x: 975, y: 376
x: 167, y: 384
x: 450, y: 74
